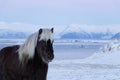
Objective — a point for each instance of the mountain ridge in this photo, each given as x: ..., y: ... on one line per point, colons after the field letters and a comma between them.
x: 6, y: 33
x: 66, y: 34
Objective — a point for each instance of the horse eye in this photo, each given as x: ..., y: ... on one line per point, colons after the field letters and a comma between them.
x: 48, y: 42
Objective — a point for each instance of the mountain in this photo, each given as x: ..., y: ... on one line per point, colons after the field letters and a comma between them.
x: 85, y: 35
x: 105, y: 35
x: 116, y: 36
x: 66, y: 32
x: 76, y: 35
x: 78, y: 32
x: 5, y: 33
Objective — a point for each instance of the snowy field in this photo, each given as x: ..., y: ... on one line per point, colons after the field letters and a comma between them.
x: 70, y: 70
x: 82, y: 60
x: 102, y: 65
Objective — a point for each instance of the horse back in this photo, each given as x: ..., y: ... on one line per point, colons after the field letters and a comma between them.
x: 9, y: 56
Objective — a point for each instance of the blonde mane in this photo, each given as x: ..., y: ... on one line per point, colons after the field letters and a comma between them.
x: 26, y: 50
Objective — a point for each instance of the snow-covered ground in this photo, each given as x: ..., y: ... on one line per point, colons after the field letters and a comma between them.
x: 74, y: 70
x: 82, y: 60
x: 103, y: 65
x: 109, y: 54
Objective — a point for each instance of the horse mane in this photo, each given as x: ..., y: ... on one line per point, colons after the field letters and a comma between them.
x: 27, y: 49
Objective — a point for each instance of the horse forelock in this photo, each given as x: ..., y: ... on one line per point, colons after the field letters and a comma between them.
x: 46, y: 35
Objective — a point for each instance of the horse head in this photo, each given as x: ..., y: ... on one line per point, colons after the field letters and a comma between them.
x: 40, y: 42
x: 44, y: 45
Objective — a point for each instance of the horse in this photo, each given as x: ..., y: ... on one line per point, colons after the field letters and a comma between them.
x: 30, y: 60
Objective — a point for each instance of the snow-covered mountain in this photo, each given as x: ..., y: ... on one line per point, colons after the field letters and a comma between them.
x: 65, y: 32
x: 85, y: 35
x: 5, y: 33
x: 73, y: 32
x: 116, y: 36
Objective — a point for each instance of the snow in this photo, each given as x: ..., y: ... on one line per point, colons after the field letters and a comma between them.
x: 103, y: 65
x: 109, y: 54
x: 78, y: 71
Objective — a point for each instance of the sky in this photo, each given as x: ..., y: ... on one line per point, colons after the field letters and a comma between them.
x: 60, y: 12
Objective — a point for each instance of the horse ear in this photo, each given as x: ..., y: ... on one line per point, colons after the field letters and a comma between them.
x: 52, y: 29
x: 40, y: 31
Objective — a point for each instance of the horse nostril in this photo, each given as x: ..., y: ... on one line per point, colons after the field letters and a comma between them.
x: 50, y: 57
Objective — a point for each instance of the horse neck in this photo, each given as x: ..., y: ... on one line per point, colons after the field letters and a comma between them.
x: 38, y: 67
x: 38, y: 60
